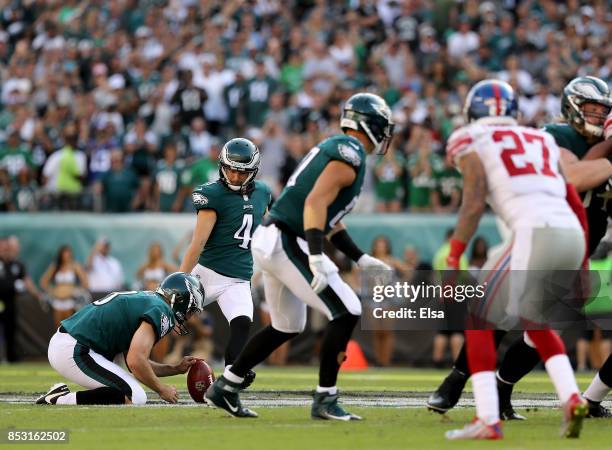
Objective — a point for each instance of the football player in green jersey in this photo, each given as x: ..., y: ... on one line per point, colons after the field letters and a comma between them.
x: 89, y: 345
x: 586, y: 150
x: 228, y: 212
x: 288, y: 248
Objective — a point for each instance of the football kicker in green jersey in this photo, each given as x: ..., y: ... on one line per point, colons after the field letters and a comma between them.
x: 228, y: 249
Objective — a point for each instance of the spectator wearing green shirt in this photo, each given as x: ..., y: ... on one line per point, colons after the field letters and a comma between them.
x: 503, y: 42
x: 201, y: 171
x: 257, y: 95
x: 234, y: 96
x: 14, y: 156
x: 446, y: 195
x: 167, y: 182
x: 388, y: 181
x: 421, y: 166
x: 292, y: 73
x: 118, y: 186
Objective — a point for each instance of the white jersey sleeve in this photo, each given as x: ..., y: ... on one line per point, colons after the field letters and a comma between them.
x: 459, y: 143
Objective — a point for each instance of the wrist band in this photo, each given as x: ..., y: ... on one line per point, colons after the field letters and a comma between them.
x: 343, y: 242
x: 456, y: 248
x: 315, y: 238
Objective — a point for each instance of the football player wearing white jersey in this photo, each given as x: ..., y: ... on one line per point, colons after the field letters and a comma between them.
x: 585, y: 140
x: 516, y: 170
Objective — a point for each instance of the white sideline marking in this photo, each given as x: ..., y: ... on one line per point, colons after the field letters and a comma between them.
x: 301, y: 401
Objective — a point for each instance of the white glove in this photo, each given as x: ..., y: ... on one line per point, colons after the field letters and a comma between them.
x: 369, y: 262
x: 607, y: 128
x: 319, y: 274
x: 375, y: 270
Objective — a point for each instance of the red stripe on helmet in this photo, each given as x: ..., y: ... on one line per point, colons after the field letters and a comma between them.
x: 497, y: 94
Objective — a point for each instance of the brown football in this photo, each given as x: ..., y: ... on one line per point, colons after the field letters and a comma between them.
x: 199, y: 379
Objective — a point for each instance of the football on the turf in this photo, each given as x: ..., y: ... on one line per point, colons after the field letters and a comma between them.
x: 199, y: 378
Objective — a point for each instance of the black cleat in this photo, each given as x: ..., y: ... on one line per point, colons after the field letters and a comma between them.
x: 510, y: 414
x: 597, y: 411
x: 449, y: 392
x: 248, y: 379
x: 50, y: 398
x: 224, y: 394
x: 506, y: 411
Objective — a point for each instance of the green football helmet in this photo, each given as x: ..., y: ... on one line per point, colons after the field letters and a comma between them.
x: 185, y: 294
x: 579, y: 91
x: 370, y: 114
x: 242, y: 155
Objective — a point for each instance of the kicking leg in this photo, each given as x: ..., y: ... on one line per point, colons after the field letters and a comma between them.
x: 224, y: 393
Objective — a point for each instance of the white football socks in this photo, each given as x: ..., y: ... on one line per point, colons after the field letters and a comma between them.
x: 597, y: 390
x: 231, y: 376
x: 68, y: 399
x: 560, y: 372
x: 330, y: 390
x: 486, y: 397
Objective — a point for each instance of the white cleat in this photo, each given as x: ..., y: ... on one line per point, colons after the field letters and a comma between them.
x: 477, y: 429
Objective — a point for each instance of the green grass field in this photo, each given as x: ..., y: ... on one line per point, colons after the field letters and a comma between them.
x: 181, y: 427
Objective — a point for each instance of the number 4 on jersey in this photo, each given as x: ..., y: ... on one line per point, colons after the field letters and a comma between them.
x: 244, y: 232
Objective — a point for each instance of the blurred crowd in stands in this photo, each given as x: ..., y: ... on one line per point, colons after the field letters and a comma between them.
x: 122, y: 105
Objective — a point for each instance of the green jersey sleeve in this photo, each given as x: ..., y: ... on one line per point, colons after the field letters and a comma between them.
x: 205, y: 197
x: 161, y: 319
x: 269, y: 194
x: 345, y: 149
x: 560, y: 137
